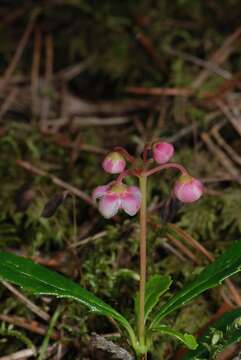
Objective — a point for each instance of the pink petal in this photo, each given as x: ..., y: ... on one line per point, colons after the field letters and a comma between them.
x: 188, y: 192
x: 114, y: 167
x: 131, y: 201
x: 134, y: 190
x: 109, y: 205
x: 162, y: 152
x: 99, y: 192
x: 114, y: 163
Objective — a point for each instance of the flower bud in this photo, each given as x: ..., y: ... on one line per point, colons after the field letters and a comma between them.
x: 188, y: 189
x: 114, y: 163
x: 162, y: 152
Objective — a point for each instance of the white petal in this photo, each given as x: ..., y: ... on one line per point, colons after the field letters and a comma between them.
x: 109, y: 205
x: 130, y: 203
x: 134, y: 190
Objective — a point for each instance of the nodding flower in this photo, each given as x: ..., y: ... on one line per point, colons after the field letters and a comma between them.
x: 188, y: 189
x: 114, y: 197
x: 114, y: 163
x: 162, y: 152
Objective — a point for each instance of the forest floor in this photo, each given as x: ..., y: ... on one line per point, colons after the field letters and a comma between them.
x: 78, y: 79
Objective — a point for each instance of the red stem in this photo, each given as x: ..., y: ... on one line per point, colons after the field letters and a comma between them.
x: 125, y: 153
x: 167, y: 166
x: 145, y: 151
x: 123, y: 175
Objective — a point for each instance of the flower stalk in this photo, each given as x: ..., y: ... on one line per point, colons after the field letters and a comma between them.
x: 143, y: 222
x: 117, y: 195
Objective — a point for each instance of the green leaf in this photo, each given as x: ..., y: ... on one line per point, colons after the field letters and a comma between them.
x: 229, y: 325
x: 186, y: 339
x: 226, y: 265
x: 156, y: 286
x: 42, y: 281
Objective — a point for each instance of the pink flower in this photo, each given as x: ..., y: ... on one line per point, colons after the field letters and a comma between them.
x: 118, y: 196
x: 188, y: 189
x: 162, y: 152
x: 114, y: 163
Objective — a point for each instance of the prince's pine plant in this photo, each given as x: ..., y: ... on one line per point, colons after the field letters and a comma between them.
x: 111, y: 198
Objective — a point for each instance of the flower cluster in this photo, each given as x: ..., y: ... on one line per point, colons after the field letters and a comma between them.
x: 116, y: 195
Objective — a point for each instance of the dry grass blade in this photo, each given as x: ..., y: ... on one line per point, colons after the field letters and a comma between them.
x: 34, y: 308
x: 171, y: 249
x: 218, y: 57
x: 89, y: 239
x: 183, y: 248
x: 231, y: 116
x: 222, y: 143
x: 72, y: 189
x: 222, y: 157
x: 206, y: 64
x: 226, y: 87
x: 194, y: 243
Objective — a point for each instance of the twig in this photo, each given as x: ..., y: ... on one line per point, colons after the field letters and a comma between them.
x: 182, y: 133
x: 233, y: 118
x: 48, y: 80
x: 33, y: 307
x: 89, y: 239
x: 99, y: 342
x: 75, y: 149
x: 19, y: 355
x: 35, y: 71
x: 73, y: 70
x: 155, y: 91
x: 220, y: 178
x: 32, y: 326
x: 178, y: 244
x: 183, y: 248
x: 173, y: 250
x: 8, y: 101
x: 206, y: 64
x: 21, y: 46
x: 72, y: 189
x: 148, y: 46
x: 222, y: 157
x: 62, y: 140
x: 226, y: 87
x: 192, y: 241
x: 218, y: 57
x: 12, y: 16
x: 221, y: 142
x: 99, y: 121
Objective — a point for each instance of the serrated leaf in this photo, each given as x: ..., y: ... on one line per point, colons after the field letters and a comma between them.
x: 42, y: 281
x: 187, y: 339
x: 222, y: 324
x: 226, y: 265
